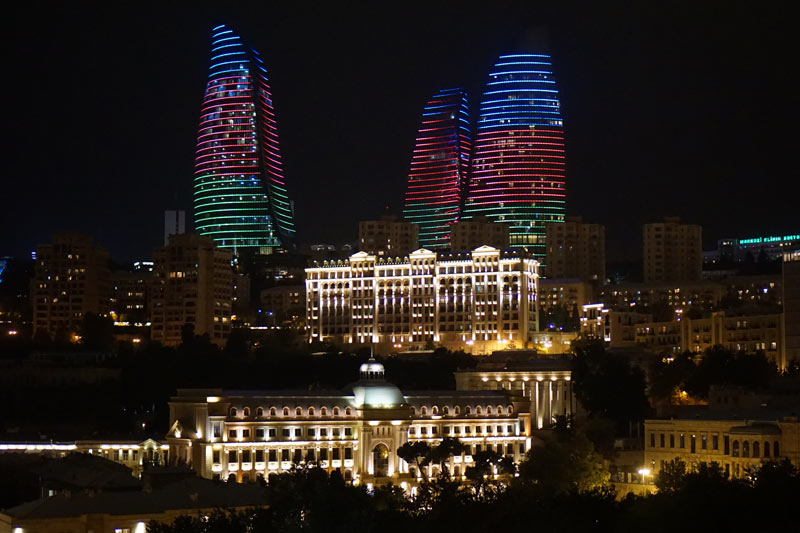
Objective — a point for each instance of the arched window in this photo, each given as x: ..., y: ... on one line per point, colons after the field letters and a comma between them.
x: 468, y: 410
x: 488, y: 409
x: 311, y: 411
x: 323, y: 411
x: 347, y: 411
x: 478, y: 410
x: 456, y: 410
x: 776, y: 449
x: 445, y: 410
x: 413, y: 411
x: 285, y: 411
x: 435, y: 410
x: 233, y: 411
x: 259, y: 411
x: 298, y: 411
x: 510, y: 409
x: 246, y: 411
x: 735, y: 449
x: 499, y: 409
x: 423, y: 411
x: 756, y: 449
x: 273, y: 411
x: 766, y: 449
x: 746, y: 448
x: 335, y: 411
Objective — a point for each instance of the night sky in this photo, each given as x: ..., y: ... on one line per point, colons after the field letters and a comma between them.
x: 685, y: 109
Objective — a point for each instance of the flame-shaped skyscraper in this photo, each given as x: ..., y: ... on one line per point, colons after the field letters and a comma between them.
x: 240, y: 197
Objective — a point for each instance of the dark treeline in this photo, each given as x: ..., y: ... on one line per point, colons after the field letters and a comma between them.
x: 308, y: 500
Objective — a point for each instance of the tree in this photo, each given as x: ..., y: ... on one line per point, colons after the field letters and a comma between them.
x: 415, y: 453
x: 671, y: 476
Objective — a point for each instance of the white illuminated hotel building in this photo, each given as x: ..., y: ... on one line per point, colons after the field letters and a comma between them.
x: 479, y: 301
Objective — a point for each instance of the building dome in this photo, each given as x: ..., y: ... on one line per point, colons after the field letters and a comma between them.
x: 373, y: 391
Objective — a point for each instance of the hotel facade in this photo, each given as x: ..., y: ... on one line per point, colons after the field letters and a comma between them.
x: 478, y: 301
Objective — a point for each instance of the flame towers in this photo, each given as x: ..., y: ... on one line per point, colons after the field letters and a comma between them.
x: 439, y: 167
x: 518, y: 162
x: 240, y: 197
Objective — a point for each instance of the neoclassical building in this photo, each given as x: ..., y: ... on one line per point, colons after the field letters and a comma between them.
x: 225, y: 434
x: 476, y: 301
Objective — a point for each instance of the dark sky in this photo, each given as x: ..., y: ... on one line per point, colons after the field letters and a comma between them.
x: 670, y: 108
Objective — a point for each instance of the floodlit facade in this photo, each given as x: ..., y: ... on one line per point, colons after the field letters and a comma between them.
x: 439, y: 167
x: 240, y: 197
x: 518, y: 173
x: 243, y: 435
x: 477, y: 301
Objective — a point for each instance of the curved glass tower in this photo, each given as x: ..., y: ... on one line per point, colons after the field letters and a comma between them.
x: 240, y: 197
x: 439, y: 167
x: 518, y: 162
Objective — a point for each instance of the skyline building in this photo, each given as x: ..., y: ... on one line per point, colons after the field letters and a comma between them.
x: 439, y: 168
x: 518, y: 174
x: 240, y: 197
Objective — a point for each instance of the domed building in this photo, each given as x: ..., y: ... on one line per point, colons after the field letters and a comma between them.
x: 243, y: 435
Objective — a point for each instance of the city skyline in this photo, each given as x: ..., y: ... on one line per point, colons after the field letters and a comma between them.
x: 654, y: 121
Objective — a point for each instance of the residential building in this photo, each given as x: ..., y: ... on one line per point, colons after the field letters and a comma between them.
x: 439, y: 166
x: 71, y: 278
x: 571, y: 294
x: 477, y: 301
x: 576, y: 249
x: 243, y: 435
x: 673, y: 251
x: 284, y: 303
x: 791, y: 306
x: 174, y: 223
x: 240, y: 196
x: 192, y: 286
x: 130, y: 295
x: 388, y: 236
x: 518, y: 173
x: 472, y: 233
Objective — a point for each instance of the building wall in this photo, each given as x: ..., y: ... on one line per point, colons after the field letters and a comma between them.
x: 673, y: 251
x: 478, y: 301
x: 721, y: 441
x: 71, y: 278
x: 193, y: 283
x: 791, y: 306
x: 387, y: 237
x: 480, y: 231
x: 576, y: 249
x: 572, y: 293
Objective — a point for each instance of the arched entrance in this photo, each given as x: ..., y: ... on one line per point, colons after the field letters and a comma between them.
x: 380, y: 460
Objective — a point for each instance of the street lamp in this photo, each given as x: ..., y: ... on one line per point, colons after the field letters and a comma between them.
x: 644, y: 472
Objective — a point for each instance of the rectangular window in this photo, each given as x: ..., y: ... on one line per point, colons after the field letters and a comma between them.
x: 336, y: 432
x: 323, y: 454
x: 348, y: 432
x: 715, y: 442
x: 310, y: 455
x: 499, y: 429
x: 423, y: 430
x: 312, y: 432
x: 661, y: 439
x: 245, y: 433
x: 216, y: 456
x: 259, y: 456
x: 232, y: 457
x: 510, y: 429
x: 335, y: 452
x: 521, y: 448
x: 298, y: 432
x: 273, y: 455
x: 231, y: 433
x: 447, y: 430
x: 652, y: 440
x: 284, y: 455
x: 726, y: 443
x: 682, y: 441
x: 671, y: 440
x: 704, y: 442
x: 434, y: 430
x: 272, y: 432
x: 246, y: 456
x: 693, y: 444
x: 348, y: 453
x: 323, y: 432
x: 509, y: 449
x: 297, y: 456
x: 260, y: 433
x: 286, y: 432
x: 216, y: 430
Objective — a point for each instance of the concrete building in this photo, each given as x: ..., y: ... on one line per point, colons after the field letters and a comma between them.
x: 192, y: 284
x: 737, y: 443
x: 468, y: 234
x: 284, y: 303
x: 388, y: 237
x: 130, y: 296
x: 571, y: 293
x: 71, y: 278
x: 576, y: 249
x: 478, y: 301
x: 241, y: 435
x: 174, y: 224
x: 673, y: 251
x: 791, y: 306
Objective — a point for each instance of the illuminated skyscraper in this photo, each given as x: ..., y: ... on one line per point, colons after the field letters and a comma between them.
x: 439, y: 167
x: 240, y: 197
x: 518, y: 162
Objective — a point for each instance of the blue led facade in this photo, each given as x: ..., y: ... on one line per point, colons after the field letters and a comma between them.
x: 240, y: 197
x: 518, y: 174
